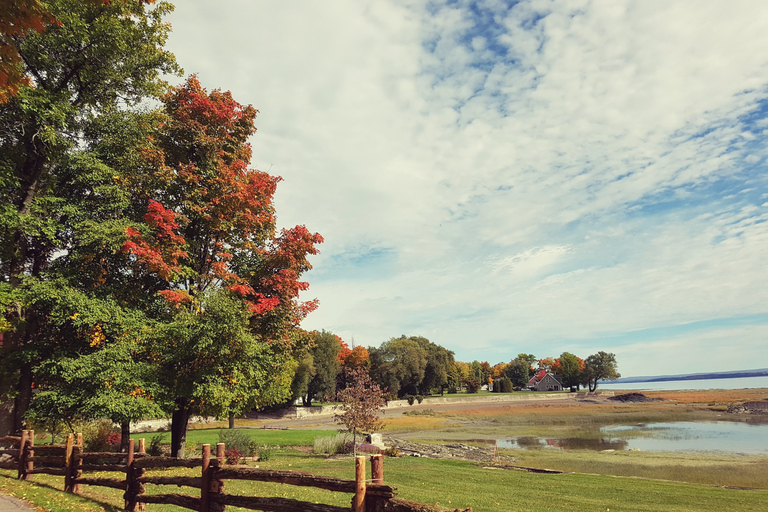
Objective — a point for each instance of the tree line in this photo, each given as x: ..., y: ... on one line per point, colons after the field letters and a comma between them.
x: 413, y: 365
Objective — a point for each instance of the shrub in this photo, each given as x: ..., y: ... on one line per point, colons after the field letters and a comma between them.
x: 96, y: 435
x: 232, y: 455
x: 419, y: 398
x: 410, y: 399
x: 239, y: 440
x: 368, y: 448
x: 265, y: 455
x: 154, y: 445
x: 114, y: 439
x: 392, y: 451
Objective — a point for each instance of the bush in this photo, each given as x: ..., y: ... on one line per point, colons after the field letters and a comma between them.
x: 239, y: 440
x: 154, y: 445
x: 411, y: 399
x: 265, y: 455
x: 419, y: 398
x: 503, y: 385
x: 392, y: 451
x: 96, y: 435
x: 232, y: 455
x: 368, y: 448
x: 114, y: 440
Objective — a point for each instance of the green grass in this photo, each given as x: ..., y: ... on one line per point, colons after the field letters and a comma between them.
x: 451, y: 483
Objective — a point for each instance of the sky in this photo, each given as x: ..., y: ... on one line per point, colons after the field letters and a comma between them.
x: 514, y: 177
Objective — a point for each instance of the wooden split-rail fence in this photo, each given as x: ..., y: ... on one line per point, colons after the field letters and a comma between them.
x: 71, y: 462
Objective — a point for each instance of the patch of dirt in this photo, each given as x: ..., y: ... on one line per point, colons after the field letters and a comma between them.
x: 448, y: 451
x: 634, y: 398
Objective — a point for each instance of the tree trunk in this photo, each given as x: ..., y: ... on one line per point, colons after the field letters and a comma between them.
x: 231, y: 420
x: 125, y: 436
x: 179, y: 422
x: 24, y: 396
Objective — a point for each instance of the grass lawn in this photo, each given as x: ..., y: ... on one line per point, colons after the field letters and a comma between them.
x: 451, y: 483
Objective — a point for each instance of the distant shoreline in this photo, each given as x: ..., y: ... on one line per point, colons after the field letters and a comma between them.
x: 763, y: 372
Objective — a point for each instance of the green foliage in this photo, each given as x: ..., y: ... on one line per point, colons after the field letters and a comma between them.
x: 326, y: 365
x: 239, y: 440
x: 502, y: 385
x: 599, y: 366
x: 154, y: 445
x: 96, y: 435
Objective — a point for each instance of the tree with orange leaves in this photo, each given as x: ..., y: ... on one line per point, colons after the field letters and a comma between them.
x: 208, y: 234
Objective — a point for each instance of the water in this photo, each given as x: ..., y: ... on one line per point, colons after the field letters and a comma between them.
x: 720, y: 436
x: 736, y: 383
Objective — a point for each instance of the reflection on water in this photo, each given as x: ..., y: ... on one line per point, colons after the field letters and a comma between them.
x: 722, y: 436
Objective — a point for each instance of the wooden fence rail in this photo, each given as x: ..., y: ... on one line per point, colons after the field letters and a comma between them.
x: 68, y: 461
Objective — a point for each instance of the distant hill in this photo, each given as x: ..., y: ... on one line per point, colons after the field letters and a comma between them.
x: 736, y: 374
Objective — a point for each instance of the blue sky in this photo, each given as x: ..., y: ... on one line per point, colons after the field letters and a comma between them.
x: 506, y: 177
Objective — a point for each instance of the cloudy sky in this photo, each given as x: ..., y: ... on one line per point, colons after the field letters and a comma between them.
x: 506, y: 177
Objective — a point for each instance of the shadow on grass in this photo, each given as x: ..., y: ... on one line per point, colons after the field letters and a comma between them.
x: 107, y: 507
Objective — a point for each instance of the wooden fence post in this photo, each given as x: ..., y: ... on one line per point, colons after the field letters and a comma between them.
x: 130, y: 480
x: 77, y: 450
x: 205, y: 488
x: 377, y: 468
x: 141, y: 487
x: 22, y: 452
x: 358, y: 502
x: 217, y: 483
x: 69, y: 460
x: 30, y: 453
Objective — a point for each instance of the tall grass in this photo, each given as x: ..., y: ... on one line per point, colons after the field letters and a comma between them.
x: 331, y: 445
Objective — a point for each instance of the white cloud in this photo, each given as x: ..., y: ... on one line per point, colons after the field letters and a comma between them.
x: 557, y: 171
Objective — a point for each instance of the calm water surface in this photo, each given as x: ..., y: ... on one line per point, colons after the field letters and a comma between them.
x: 722, y: 436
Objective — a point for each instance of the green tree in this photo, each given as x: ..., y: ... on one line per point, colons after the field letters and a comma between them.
x: 398, y: 365
x: 569, y: 367
x: 519, y: 369
x: 207, y: 236
x: 439, y: 361
x: 97, y: 58
x: 599, y: 366
x: 325, y: 354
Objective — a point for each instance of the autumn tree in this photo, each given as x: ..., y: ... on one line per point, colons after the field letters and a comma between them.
x: 361, y: 402
x: 569, y: 367
x: 207, y: 238
x: 54, y: 191
x: 598, y: 367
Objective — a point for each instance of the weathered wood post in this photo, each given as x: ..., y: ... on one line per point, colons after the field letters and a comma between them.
x: 70, y: 463
x: 217, y: 483
x: 130, y: 480
x: 26, y: 450
x: 377, y: 468
x: 141, y: 487
x: 358, y: 502
x: 205, y: 488
x: 77, y: 451
x: 22, y: 471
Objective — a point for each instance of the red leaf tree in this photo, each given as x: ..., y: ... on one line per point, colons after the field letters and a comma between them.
x: 209, y: 223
